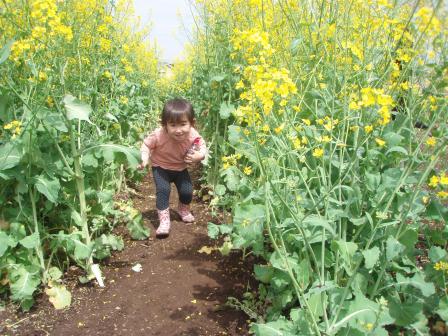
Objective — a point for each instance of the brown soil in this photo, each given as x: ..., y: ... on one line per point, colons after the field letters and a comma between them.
x: 178, y: 292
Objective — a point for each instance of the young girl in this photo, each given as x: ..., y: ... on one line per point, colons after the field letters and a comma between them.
x: 171, y: 147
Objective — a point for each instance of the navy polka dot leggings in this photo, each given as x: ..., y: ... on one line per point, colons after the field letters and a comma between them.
x: 163, y: 179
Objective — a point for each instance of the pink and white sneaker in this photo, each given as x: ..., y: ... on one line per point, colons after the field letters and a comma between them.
x: 163, y: 230
x: 184, y: 212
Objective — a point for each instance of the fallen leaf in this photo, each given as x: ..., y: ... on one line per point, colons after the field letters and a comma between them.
x: 59, y: 296
x: 206, y: 249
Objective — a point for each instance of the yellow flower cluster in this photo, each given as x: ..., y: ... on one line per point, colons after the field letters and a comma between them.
x: 15, y: 127
x: 374, y: 97
x: 265, y: 88
x: 442, y: 181
x: 441, y: 266
x: 45, y: 25
x: 230, y: 160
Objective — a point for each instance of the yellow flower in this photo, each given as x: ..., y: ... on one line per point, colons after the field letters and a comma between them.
x: 107, y: 74
x: 306, y: 122
x: 442, y: 194
x: 368, y: 129
x: 42, y: 76
x: 354, y: 106
x: 318, y: 152
x: 443, y: 179
x: 431, y: 141
x: 124, y: 100
x: 247, y: 170
x: 434, y: 181
x: 380, y: 142
x: 279, y: 129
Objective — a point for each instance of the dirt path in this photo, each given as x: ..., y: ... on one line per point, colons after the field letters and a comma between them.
x: 178, y: 292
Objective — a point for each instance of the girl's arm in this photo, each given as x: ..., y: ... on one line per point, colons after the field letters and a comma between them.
x: 148, y: 144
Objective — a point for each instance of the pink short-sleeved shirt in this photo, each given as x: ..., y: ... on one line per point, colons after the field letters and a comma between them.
x: 166, y: 152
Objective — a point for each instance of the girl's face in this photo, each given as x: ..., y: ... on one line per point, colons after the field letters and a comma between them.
x: 179, y: 130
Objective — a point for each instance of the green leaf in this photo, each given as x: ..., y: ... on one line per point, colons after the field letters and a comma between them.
x: 346, y: 249
x: 393, y: 248
x: 76, y: 109
x: 5, y: 242
x: 31, y: 241
x: 371, y: 257
x: 76, y: 217
x: 234, y: 134
x: 404, y: 313
x: 442, y: 310
x: 82, y: 251
x: 397, y: 149
x: 248, y: 221
x: 59, y: 296
x: 48, y: 187
x: 213, y: 230
x: 220, y: 190
x: 6, y: 51
x: 436, y: 253
x: 23, y: 282
x: 314, y: 220
x: 263, y: 273
x: 136, y: 228
x: 10, y: 156
x: 226, y: 110
x: 417, y: 281
x: 280, y: 327
x: 89, y: 160
x: 55, y: 273
x: 117, y: 152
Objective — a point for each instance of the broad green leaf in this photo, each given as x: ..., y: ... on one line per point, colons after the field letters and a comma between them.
x: 76, y: 217
x: 5, y: 242
x: 6, y: 50
x: 315, y: 303
x: 397, y: 149
x: 248, y: 221
x: 82, y: 251
x: 76, y: 109
x: 113, y: 151
x: 280, y: 327
x: 213, y: 230
x: 234, y: 134
x: 48, y: 187
x: 371, y: 257
x: 226, y: 110
x: 10, y: 156
x: 220, y: 190
x: 55, y: 273
x: 442, y: 310
x: 436, y: 253
x: 89, y: 160
x: 417, y: 281
x: 404, y: 313
x: 31, y: 241
x: 136, y: 228
x: 23, y: 282
x: 393, y: 248
x: 314, y: 220
x: 263, y: 273
x: 59, y: 296
x: 232, y: 178
x: 346, y: 249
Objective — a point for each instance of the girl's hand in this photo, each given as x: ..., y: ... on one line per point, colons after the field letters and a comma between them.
x: 194, y: 157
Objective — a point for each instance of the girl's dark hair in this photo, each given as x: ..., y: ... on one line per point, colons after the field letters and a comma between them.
x: 175, y: 109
